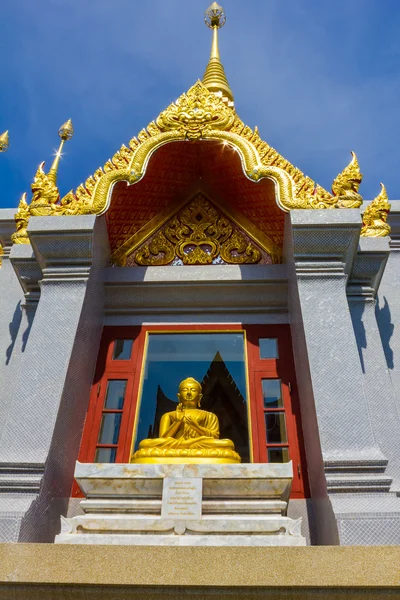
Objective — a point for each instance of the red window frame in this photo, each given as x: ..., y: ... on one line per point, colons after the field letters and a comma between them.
x: 257, y: 369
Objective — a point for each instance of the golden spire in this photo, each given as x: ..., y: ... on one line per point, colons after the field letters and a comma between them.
x: 4, y: 142
x: 65, y: 132
x: 214, y: 77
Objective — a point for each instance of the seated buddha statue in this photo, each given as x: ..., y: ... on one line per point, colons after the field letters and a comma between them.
x: 187, y: 434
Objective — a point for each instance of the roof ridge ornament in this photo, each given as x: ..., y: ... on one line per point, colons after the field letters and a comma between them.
x: 345, y: 185
x: 44, y: 189
x: 375, y: 216
x: 214, y: 77
x: 4, y: 142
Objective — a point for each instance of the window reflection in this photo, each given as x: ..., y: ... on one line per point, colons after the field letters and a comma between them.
x: 217, y: 361
x: 109, y: 428
x: 105, y: 455
x: 272, y: 393
x: 115, y: 394
x: 122, y: 349
x: 278, y: 455
x: 276, y: 427
x: 268, y: 347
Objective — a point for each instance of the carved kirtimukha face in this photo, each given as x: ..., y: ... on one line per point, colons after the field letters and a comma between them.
x: 190, y: 393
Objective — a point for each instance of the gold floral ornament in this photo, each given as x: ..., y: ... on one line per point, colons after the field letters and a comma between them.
x: 345, y: 186
x: 198, y: 235
x: 4, y: 142
x: 375, y: 216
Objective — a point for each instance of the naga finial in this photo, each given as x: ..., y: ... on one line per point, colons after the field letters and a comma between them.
x: 345, y: 186
x: 44, y: 187
x: 375, y: 216
x: 65, y: 132
x: 21, y: 219
x: 214, y: 77
x: 45, y: 193
x: 4, y: 142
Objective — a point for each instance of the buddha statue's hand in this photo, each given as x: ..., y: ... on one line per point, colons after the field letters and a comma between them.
x: 180, y: 413
x: 194, y: 425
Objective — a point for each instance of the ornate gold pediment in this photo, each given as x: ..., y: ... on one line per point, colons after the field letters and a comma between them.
x: 196, y: 116
x: 199, y: 233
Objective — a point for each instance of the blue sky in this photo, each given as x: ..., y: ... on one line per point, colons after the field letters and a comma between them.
x: 318, y: 77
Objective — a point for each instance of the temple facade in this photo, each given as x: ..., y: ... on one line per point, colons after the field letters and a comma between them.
x: 198, y: 251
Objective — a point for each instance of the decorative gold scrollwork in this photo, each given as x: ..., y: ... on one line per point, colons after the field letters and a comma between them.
x: 195, y: 113
x: 198, y: 235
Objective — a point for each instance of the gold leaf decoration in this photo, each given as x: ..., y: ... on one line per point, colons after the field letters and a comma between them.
x: 198, y: 235
x: 345, y: 186
x: 21, y: 219
x: 375, y: 216
x: 196, y: 112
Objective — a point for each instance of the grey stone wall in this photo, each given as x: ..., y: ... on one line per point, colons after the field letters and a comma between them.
x: 350, y: 459
x: 41, y: 436
x: 364, y: 282
x: 388, y: 302
x: 11, y: 298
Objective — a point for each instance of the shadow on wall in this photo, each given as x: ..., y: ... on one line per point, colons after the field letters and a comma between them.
x: 359, y: 330
x: 13, y: 329
x: 386, y: 328
x: 30, y: 315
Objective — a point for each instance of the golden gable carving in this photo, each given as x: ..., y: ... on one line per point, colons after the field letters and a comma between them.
x: 198, y: 234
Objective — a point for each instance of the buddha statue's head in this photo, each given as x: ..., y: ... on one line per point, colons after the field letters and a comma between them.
x: 189, y: 394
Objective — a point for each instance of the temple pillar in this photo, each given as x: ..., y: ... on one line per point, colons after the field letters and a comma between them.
x: 41, y: 436
x: 388, y: 302
x: 28, y: 272
x: 320, y: 250
x: 11, y: 296
x: 365, y: 278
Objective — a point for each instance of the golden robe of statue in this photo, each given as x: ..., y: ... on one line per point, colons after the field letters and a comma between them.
x: 187, y: 434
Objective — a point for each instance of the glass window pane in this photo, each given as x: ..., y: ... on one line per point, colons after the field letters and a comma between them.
x: 272, y: 393
x: 105, y: 455
x: 115, y: 394
x: 276, y: 427
x: 268, y: 348
x: 109, y: 429
x: 278, y: 455
x: 217, y: 361
x: 122, y: 349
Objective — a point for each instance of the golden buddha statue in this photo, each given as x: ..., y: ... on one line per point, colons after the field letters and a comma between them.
x: 187, y: 434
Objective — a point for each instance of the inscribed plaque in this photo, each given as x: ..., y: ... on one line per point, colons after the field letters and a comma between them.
x: 181, y: 498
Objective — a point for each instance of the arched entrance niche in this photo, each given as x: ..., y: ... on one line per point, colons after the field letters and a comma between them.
x: 174, y: 174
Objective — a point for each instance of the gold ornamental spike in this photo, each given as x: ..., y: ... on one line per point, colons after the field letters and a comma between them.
x: 65, y: 132
x: 214, y: 77
x: 4, y: 142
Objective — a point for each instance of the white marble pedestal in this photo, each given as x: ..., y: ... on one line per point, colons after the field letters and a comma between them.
x: 202, y: 505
